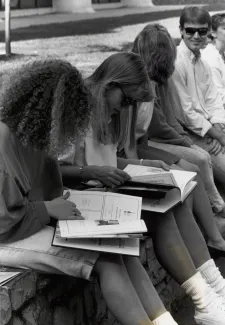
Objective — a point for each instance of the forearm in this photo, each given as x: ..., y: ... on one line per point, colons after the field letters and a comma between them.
x: 122, y: 163
x: 215, y: 133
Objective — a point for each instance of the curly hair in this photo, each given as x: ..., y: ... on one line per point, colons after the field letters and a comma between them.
x: 45, y: 104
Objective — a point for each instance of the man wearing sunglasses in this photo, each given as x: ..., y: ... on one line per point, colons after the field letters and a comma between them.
x: 201, y: 108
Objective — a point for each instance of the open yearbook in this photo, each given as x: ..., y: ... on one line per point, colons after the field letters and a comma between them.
x: 112, y: 223
x: 175, y: 185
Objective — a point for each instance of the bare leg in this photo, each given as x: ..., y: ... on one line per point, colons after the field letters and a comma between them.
x: 144, y: 287
x: 118, y: 291
x: 199, y: 202
x: 169, y: 246
x: 191, y: 234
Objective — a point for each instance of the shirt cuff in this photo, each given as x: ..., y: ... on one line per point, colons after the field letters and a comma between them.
x: 217, y: 119
x: 42, y: 212
x: 206, y: 127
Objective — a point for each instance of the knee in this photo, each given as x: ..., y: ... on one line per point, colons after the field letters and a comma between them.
x: 188, y: 166
x: 107, y: 262
x: 203, y: 159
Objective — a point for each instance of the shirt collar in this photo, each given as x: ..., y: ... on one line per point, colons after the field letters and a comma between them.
x: 193, y: 57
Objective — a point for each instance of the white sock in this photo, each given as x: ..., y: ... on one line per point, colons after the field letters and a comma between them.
x: 164, y: 319
x: 199, y: 291
x: 213, y: 277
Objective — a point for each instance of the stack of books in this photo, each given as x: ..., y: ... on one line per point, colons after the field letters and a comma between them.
x: 112, y: 220
x: 112, y: 223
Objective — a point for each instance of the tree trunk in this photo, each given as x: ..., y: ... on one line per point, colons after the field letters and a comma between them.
x: 7, y: 28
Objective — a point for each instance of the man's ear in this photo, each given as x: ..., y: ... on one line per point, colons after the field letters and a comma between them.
x: 181, y: 31
x: 213, y: 34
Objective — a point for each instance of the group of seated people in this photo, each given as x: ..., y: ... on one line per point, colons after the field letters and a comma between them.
x: 158, y: 105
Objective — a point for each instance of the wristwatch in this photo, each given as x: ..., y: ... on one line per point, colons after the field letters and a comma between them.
x: 81, y: 175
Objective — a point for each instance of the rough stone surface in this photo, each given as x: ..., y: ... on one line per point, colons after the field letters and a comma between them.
x: 35, y: 299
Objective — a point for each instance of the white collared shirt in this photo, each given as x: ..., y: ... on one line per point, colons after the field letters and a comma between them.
x: 213, y: 57
x: 201, y: 104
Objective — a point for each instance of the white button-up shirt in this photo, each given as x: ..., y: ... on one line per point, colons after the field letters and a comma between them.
x: 213, y: 57
x: 201, y: 104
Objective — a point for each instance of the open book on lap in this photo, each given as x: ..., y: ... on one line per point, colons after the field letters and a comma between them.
x: 112, y: 223
x: 175, y: 186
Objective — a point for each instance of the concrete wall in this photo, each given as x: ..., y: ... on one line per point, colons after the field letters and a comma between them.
x: 73, y: 5
x: 137, y: 3
x: 34, y: 299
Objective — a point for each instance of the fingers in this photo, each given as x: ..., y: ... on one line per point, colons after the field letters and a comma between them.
x: 165, y: 166
x: 122, y: 174
x: 209, y: 140
x: 65, y: 196
x: 76, y: 211
x: 216, y: 148
x: 75, y: 217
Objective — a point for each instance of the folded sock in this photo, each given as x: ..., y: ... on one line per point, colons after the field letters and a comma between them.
x: 199, y: 291
x: 164, y: 319
x: 213, y: 277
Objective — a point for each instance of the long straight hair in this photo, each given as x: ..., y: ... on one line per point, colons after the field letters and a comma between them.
x: 158, y: 50
x: 122, y: 69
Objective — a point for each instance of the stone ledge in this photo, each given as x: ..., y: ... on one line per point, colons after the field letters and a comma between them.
x: 37, y: 299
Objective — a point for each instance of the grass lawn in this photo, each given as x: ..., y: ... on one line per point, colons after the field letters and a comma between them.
x: 83, y: 43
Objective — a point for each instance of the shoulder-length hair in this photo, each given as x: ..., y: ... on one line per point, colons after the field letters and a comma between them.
x: 122, y: 69
x: 158, y: 50
x: 45, y: 104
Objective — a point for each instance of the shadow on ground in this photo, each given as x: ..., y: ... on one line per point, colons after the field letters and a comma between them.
x: 125, y: 47
x: 91, y: 26
x: 86, y: 27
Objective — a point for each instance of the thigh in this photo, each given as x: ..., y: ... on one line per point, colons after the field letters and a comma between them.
x: 180, y: 151
x: 152, y: 153
x: 36, y: 252
x: 189, y: 154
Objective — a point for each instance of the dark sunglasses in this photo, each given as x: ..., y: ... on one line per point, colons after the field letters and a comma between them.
x: 201, y: 31
x: 127, y: 101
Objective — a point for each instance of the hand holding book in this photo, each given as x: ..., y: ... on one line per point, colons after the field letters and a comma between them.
x: 106, y: 175
x: 156, y: 163
x: 63, y: 209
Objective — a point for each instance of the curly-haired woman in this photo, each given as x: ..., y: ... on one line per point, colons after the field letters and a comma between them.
x: 45, y: 108
x: 178, y: 242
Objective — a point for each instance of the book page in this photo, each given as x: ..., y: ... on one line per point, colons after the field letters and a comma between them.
x: 93, y: 228
x: 171, y: 199
x: 179, y: 178
x: 150, y: 175
x: 95, y: 205
x: 129, y: 246
x: 182, y: 179
x: 7, y: 276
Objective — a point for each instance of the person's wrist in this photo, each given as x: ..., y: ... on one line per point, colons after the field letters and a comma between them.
x: 85, y: 174
x: 221, y: 138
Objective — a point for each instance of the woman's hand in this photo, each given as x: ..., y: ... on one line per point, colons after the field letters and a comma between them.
x: 108, y: 176
x: 156, y: 163
x: 62, y: 209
